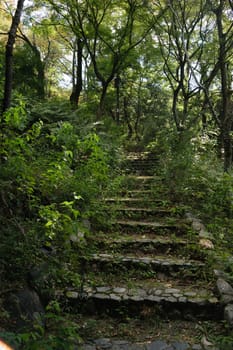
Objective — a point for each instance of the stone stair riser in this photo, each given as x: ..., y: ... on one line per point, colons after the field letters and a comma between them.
x: 143, y: 213
x: 141, y: 182
x: 147, y: 230
x: 132, y: 202
x: 165, y: 248
x: 168, y: 309
x: 185, y: 270
x: 143, y: 166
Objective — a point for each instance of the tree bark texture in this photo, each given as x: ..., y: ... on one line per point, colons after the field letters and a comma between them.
x: 226, y: 118
x: 9, y: 56
x: 77, y: 73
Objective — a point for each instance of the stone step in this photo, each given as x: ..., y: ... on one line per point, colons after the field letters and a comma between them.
x: 139, y: 155
x: 145, y: 244
x: 140, y: 166
x: 146, y: 278
x: 140, y: 159
x: 177, y: 227
x: 140, y: 163
x: 134, y: 201
x: 175, y: 303
x: 140, y: 213
x: 168, y: 265
x: 145, y: 333
x: 114, y: 344
x: 142, y: 178
x: 134, y: 181
x: 137, y: 193
x: 140, y: 169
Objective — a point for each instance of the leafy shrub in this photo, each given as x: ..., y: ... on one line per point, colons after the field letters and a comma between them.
x: 51, y: 179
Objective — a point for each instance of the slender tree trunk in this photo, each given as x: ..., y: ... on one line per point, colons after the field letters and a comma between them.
x: 138, y: 111
x: 227, y: 143
x: 102, y: 99
x: 174, y: 108
x: 9, y: 56
x: 77, y: 74
x: 127, y: 119
x: 117, y: 86
x: 40, y: 66
x: 226, y: 117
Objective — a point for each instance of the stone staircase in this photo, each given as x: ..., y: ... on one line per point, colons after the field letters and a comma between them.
x: 147, y: 281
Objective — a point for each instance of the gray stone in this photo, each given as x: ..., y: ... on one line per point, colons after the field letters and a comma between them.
x: 154, y: 298
x: 203, y: 293
x: 120, y: 342
x: 224, y: 287
x: 190, y: 294
x: 101, y: 296
x: 142, y: 293
x: 197, y: 301
x: 181, y: 346
x: 135, y: 347
x: 126, y: 259
x: 172, y: 290
x: 182, y: 299
x: 146, y: 260
x: 220, y: 274
x: 151, y: 291
x: 228, y: 314
x: 103, y: 343
x: 158, y: 292
x: 115, y: 297
x: 226, y: 299
x: 103, y: 289
x: 120, y: 345
x: 86, y: 347
x: 177, y: 295
x: 171, y: 299
x: 136, y: 298
x: 213, y: 300
x: 119, y: 290
x: 196, y: 347
x: 157, y: 345
x: 104, y: 256
x: 205, y: 234
x: 197, y: 225
x: 165, y: 295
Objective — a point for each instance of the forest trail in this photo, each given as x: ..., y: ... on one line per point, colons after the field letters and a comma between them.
x: 148, y: 282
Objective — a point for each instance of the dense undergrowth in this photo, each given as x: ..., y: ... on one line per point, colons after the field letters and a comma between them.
x: 55, y: 168
x: 56, y: 165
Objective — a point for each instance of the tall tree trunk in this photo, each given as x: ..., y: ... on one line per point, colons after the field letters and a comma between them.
x: 9, y: 56
x: 102, y: 99
x: 40, y: 67
x: 77, y: 73
x: 117, y: 86
x: 226, y: 117
x: 127, y: 118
